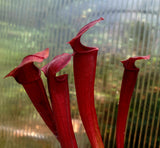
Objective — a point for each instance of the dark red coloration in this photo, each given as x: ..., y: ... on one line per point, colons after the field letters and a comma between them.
x: 127, y: 87
x: 59, y: 94
x: 28, y: 75
x: 84, y: 61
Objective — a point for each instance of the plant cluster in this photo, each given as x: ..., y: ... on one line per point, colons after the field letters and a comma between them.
x: 58, y: 117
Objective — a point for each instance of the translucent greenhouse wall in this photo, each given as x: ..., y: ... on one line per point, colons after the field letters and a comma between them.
x: 130, y: 28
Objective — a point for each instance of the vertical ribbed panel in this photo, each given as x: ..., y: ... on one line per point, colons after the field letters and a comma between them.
x: 130, y: 28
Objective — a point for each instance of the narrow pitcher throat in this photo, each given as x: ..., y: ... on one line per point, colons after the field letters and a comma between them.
x: 27, y: 74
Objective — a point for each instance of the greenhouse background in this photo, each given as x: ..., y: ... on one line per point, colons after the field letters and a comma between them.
x: 130, y: 28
